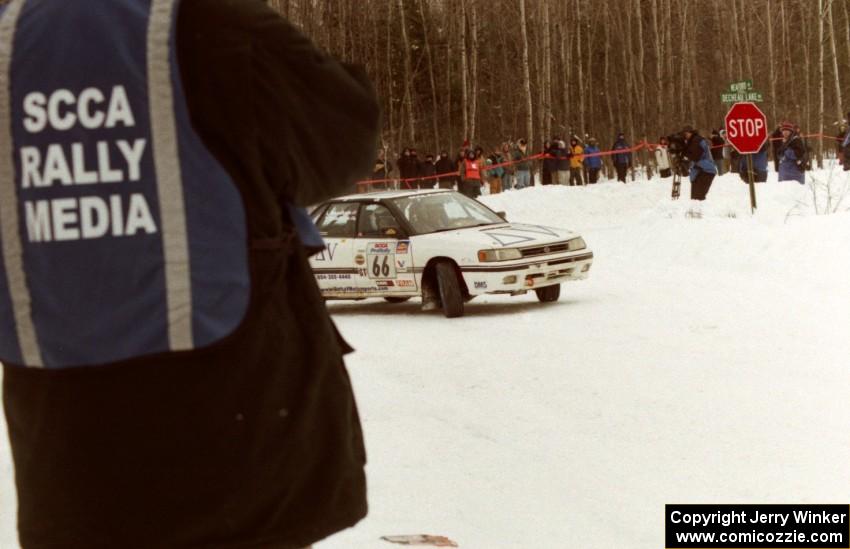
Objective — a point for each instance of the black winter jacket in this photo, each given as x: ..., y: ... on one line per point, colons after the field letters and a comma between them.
x: 563, y: 155
x: 445, y: 165
x: 255, y: 441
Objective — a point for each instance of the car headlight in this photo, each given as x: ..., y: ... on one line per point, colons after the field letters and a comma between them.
x: 503, y: 254
x: 575, y: 244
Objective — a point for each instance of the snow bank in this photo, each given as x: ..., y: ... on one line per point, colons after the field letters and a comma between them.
x: 705, y: 360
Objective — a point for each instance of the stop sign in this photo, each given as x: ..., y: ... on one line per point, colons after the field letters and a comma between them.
x: 746, y: 127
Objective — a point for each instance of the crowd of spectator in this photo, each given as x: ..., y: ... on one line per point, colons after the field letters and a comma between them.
x: 580, y: 162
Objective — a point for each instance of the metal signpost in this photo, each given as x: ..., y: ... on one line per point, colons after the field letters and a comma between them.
x: 746, y: 130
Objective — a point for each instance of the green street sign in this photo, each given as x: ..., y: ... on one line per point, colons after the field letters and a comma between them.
x: 738, y: 97
x: 742, y: 86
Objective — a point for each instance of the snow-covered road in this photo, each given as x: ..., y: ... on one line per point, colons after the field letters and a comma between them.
x: 705, y: 360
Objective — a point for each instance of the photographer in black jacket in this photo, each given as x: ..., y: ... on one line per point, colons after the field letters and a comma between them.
x: 703, y: 170
x: 247, y: 440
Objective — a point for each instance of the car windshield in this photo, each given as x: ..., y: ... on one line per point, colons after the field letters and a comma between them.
x: 433, y: 212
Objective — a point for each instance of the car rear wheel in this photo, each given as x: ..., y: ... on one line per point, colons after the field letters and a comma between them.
x: 548, y: 294
x: 451, y: 295
x: 397, y: 299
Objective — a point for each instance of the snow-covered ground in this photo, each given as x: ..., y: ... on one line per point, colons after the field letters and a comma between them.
x: 705, y: 360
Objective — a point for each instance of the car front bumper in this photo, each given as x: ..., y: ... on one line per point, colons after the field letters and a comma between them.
x: 521, y: 276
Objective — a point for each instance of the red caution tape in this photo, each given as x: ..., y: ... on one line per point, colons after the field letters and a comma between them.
x: 407, y: 182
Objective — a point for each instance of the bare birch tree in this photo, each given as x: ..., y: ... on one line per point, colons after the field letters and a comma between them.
x: 526, y: 77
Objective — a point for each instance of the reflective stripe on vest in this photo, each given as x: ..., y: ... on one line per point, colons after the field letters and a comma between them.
x: 121, y: 235
x: 471, y: 170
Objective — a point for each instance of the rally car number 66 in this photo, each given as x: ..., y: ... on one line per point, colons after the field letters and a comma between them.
x: 441, y: 246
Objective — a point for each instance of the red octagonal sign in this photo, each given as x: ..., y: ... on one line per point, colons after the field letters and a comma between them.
x: 746, y: 127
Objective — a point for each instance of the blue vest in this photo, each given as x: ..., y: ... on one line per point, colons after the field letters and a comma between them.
x: 121, y: 235
x: 592, y: 161
x: 621, y: 159
x: 788, y: 168
x: 759, y: 161
x: 705, y: 163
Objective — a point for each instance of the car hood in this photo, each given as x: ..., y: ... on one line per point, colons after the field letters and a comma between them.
x: 506, y: 235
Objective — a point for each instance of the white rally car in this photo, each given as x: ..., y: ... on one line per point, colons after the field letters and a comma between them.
x: 440, y: 245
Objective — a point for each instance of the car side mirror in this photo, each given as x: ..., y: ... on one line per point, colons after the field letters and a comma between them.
x: 503, y: 215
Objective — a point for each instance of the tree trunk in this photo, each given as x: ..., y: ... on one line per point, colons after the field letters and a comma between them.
x: 807, y: 54
x: 659, y: 99
x: 821, y: 14
x: 390, y: 96
x: 434, y: 109
x: 847, y: 31
x: 581, y: 94
x: 684, y: 60
x: 547, y: 72
x: 473, y: 109
x: 736, y: 41
x: 747, y: 31
x: 838, y: 101
x: 606, y: 73
x: 641, y: 69
x: 588, y: 90
x: 408, y: 76
x: 464, y: 72
x: 770, y: 63
x: 526, y: 78
x: 785, y: 58
x: 449, y: 61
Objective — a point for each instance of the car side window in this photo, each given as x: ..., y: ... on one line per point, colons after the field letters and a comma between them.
x: 339, y: 220
x: 377, y: 221
x: 317, y: 213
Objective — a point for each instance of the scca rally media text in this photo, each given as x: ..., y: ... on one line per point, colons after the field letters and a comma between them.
x: 71, y: 218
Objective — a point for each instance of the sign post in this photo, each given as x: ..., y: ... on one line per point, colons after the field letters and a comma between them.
x: 746, y: 130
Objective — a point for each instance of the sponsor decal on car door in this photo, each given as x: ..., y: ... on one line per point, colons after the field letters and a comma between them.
x: 382, y: 254
x: 334, y: 266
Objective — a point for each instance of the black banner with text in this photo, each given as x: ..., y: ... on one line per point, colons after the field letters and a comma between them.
x: 757, y: 526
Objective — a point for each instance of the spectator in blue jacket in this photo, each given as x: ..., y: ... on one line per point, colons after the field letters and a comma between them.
x: 703, y: 170
x: 592, y: 163
x: 622, y: 161
x: 792, y: 155
x: 759, y: 166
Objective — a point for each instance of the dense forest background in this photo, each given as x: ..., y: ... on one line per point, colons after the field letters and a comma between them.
x: 494, y: 70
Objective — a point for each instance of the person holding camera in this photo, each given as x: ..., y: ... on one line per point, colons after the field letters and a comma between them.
x: 703, y: 169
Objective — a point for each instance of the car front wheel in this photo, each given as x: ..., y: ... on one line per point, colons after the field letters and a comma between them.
x: 549, y: 293
x: 396, y: 299
x: 451, y: 295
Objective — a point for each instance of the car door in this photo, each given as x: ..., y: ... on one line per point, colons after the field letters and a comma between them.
x: 334, y: 267
x: 383, y: 248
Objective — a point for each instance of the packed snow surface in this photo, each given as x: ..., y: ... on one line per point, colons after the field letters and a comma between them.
x: 706, y: 360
